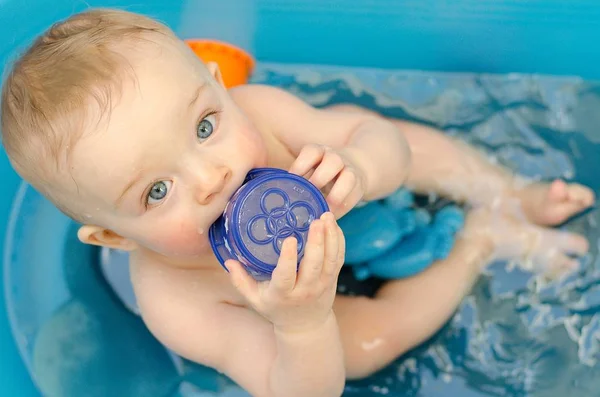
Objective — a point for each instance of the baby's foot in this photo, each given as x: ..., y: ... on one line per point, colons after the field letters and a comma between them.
x: 550, y: 204
x: 554, y: 252
x: 537, y: 248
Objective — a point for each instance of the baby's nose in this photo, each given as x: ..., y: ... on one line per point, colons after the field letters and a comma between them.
x: 212, y: 183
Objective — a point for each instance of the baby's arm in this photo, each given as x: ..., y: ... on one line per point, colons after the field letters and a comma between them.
x: 373, y: 144
x: 292, y: 348
x: 245, y: 347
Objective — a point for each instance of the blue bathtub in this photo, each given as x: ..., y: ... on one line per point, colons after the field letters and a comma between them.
x: 546, y: 37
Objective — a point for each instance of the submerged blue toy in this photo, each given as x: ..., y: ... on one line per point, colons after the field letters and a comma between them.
x: 393, y: 239
x: 387, y: 239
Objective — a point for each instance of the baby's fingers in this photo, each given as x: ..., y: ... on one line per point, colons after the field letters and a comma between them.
x: 308, y: 158
x: 331, y: 245
x: 312, y: 263
x: 241, y: 280
x: 344, y: 184
x: 329, y: 168
x: 283, y: 278
x: 341, y: 254
x: 345, y: 194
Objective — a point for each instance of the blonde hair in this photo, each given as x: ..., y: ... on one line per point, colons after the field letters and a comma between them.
x: 74, y: 64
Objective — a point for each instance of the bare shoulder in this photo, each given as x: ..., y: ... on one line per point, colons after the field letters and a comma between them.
x: 273, y: 110
x: 266, y: 101
x: 183, y: 308
x: 152, y: 279
x: 198, y: 315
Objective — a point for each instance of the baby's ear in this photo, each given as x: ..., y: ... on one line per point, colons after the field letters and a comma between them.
x: 96, y: 235
x: 214, y: 70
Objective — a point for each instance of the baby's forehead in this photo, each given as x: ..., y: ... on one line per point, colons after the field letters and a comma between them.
x: 165, y: 54
x: 161, y: 80
x: 135, y: 131
x: 157, y: 92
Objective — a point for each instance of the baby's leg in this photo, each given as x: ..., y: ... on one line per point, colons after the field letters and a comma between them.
x: 457, y: 170
x: 406, y: 312
x: 454, y: 169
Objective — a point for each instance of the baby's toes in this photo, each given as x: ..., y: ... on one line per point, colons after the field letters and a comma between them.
x: 567, y: 242
x: 560, y: 264
x: 582, y: 195
x: 558, y: 191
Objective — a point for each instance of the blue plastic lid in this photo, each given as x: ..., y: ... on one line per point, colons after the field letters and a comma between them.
x: 256, y: 172
x: 270, y: 206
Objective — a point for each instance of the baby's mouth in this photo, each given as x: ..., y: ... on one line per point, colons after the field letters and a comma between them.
x: 224, y: 198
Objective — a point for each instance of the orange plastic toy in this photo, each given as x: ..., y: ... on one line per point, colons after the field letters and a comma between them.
x: 236, y: 65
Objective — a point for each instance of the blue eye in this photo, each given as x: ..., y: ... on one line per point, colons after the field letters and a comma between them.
x: 206, y: 127
x: 158, y: 192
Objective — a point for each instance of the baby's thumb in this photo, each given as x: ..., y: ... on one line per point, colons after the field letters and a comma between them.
x: 241, y: 280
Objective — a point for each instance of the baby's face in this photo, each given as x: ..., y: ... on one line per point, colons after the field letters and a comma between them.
x: 174, y: 150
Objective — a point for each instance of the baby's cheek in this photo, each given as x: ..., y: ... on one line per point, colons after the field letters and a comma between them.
x: 252, y: 144
x: 181, y: 239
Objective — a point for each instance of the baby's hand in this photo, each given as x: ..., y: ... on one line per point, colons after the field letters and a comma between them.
x: 298, y: 301
x: 335, y: 173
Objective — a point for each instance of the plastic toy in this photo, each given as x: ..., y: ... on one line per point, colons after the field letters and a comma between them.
x: 270, y: 206
x: 387, y: 239
x: 372, y: 230
x: 236, y: 65
x: 392, y: 239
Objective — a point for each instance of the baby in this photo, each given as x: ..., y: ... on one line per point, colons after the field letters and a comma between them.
x: 119, y: 124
